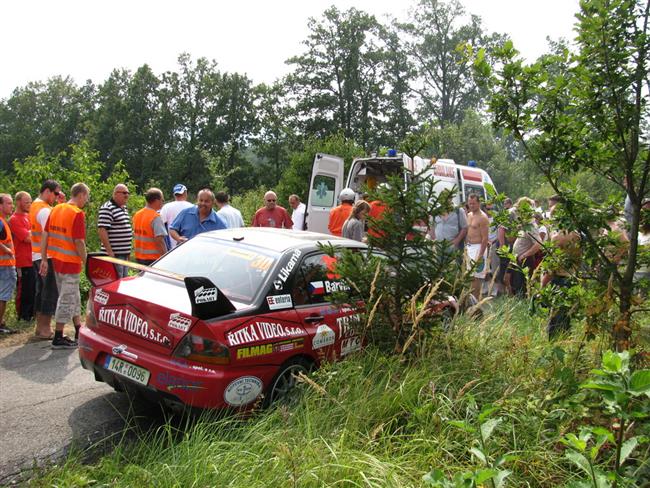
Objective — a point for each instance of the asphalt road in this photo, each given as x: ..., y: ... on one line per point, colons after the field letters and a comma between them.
x: 50, y: 404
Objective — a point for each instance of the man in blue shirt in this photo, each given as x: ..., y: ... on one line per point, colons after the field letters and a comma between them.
x: 196, y: 219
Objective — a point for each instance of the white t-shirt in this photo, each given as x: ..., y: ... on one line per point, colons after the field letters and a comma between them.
x: 231, y: 216
x: 168, y: 213
x: 41, y: 217
x: 298, y: 217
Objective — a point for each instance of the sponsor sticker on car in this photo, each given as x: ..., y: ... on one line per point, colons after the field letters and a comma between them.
x: 101, y: 296
x: 325, y: 336
x: 350, y: 345
x: 285, y: 271
x: 129, y: 321
x: 242, y: 391
x: 270, y: 348
x: 179, y: 321
x: 262, y: 331
x: 279, y: 302
x: 173, y: 382
x: 205, y: 295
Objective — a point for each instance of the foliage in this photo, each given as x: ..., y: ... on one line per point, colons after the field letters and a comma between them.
x: 586, y: 111
x: 400, y: 282
x: 50, y: 116
x: 79, y: 164
x: 248, y: 203
x: 381, y: 421
x: 356, y: 77
x: 490, y: 473
x: 337, y: 85
x: 624, y: 398
x: 298, y: 174
x: 438, y: 48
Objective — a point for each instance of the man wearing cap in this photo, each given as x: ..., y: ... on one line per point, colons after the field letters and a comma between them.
x: 170, y: 210
x: 114, y: 227
x: 271, y: 214
x: 197, y: 219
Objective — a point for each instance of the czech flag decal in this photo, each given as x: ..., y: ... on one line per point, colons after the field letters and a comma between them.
x: 316, y: 288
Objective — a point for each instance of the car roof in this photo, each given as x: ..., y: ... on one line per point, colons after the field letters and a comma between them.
x: 279, y: 240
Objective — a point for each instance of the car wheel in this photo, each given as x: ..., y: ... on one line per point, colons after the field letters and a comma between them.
x: 282, y: 389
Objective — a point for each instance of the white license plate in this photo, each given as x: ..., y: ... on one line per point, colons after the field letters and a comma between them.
x: 128, y: 370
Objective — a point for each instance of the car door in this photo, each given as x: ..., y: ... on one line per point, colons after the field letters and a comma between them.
x: 324, y: 188
x: 328, y: 325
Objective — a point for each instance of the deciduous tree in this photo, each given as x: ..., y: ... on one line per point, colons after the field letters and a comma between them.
x: 588, y: 110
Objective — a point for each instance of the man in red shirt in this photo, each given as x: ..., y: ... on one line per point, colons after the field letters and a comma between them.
x: 271, y: 214
x: 21, y: 231
x: 64, y: 237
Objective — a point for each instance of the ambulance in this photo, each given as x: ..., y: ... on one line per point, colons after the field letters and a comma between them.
x: 327, y: 180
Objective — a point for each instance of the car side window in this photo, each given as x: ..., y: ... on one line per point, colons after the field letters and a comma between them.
x: 316, y: 280
x: 309, y: 287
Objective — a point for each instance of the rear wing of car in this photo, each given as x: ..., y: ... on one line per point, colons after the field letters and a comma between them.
x: 207, y: 300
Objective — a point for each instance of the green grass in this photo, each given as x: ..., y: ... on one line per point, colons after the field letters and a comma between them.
x: 379, y: 421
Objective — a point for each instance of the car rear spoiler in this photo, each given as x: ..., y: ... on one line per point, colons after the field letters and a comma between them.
x: 207, y: 300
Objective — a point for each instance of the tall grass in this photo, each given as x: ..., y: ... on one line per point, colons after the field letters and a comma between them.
x: 376, y: 421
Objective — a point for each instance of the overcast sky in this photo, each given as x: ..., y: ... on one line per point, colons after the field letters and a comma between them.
x: 87, y: 39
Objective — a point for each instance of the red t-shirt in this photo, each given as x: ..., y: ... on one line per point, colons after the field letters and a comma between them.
x: 278, y: 218
x: 377, y: 210
x: 20, y: 229
x: 78, y: 232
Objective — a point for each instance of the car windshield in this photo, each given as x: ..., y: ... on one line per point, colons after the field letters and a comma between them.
x: 239, y: 271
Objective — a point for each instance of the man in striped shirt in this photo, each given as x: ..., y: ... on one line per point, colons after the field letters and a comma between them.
x: 114, y: 227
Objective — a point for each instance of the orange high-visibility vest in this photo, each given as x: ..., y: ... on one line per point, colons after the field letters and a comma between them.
x: 338, y: 216
x: 37, y: 230
x: 60, y: 244
x: 7, y: 259
x: 146, y: 246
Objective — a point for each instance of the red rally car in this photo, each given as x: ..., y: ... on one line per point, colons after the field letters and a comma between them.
x: 223, y: 321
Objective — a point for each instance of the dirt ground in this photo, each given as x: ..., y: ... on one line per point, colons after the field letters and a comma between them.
x: 26, y: 334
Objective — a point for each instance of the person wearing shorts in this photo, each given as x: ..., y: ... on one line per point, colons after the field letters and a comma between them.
x: 46, y: 294
x: 7, y: 260
x: 64, y: 237
x: 478, y: 226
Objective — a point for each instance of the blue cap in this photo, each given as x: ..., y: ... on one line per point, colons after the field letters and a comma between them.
x: 179, y: 189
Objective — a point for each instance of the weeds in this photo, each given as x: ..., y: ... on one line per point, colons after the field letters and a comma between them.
x: 383, y: 421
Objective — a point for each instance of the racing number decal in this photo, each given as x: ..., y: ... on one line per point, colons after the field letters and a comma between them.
x: 262, y: 263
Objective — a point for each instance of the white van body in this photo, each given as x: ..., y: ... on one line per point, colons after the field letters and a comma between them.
x: 327, y: 180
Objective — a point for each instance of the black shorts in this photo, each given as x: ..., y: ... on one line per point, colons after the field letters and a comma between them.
x: 47, y: 293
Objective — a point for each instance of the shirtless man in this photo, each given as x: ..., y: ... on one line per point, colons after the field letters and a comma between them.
x: 478, y: 225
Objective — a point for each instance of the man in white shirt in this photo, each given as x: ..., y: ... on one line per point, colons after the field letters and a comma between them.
x: 170, y: 210
x: 230, y: 215
x: 298, y: 214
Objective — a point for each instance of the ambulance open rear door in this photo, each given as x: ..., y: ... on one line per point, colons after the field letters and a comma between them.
x: 324, y: 188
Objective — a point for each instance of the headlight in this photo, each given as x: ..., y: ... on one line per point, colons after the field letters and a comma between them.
x: 202, y: 350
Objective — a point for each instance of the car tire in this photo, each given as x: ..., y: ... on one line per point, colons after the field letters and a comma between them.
x: 281, y: 389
